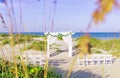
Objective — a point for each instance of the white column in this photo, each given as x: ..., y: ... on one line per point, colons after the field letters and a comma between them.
x: 50, y: 40
x: 70, y: 50
x: 68, y: 41
x: 48, y: 46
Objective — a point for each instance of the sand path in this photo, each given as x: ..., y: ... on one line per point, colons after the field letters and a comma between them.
x: 62, y: 63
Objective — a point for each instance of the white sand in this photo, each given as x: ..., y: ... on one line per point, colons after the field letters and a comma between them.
x: 62, y: 63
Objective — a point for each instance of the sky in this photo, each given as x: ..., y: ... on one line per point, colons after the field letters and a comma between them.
x: 71, y: 15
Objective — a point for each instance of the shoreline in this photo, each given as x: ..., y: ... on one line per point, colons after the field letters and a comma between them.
x: 97, y: 35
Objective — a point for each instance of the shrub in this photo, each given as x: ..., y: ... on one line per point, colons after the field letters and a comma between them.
x: 28, y: 38
x: 40, y: 45
x: 1, y: 39
x: 21, y: 38
x: 7, y: 70
x: 59, y: 38
x: 94, y: 42
x: 116, y: 54
x: 5, y: 41
x: 99, y: 52
x: 4, y: 35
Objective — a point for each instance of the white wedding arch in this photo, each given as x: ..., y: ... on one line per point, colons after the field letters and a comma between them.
x: 66, y: 36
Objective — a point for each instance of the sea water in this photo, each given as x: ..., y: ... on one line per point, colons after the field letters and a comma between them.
x: 98, y: 35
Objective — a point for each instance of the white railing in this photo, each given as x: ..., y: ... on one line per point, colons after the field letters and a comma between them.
x: 34, y: 59
x: 95, y: 59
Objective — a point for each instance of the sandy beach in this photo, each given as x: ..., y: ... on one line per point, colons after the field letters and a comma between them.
x: 61, y: 62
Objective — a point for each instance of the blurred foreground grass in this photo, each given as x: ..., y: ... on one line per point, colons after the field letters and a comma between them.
x: 7, y: 70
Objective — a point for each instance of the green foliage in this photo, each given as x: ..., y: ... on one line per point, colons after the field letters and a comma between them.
x: 94, y: 42
x: 28, y: 38
x: 99, y: 52
x: 1, y: 39
x: 53, y: 74
x: 7, y: 70
x: 5, y: 41
x: 4, y: 35
x: 107, y: 45
x: 16, y: 39
x: 116, y: 54
x: 58, y: 50
x: 59, y: 38
x: 37, y: 45
x: 79, y: 40
x: 22, y: 38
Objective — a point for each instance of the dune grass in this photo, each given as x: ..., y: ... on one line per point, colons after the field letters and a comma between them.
x: 5, y: 39
x: 110, y: 45
x: 4, y: 35
x: 37, y: 45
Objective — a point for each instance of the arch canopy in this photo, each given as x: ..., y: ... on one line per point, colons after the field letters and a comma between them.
x: 66, y: 36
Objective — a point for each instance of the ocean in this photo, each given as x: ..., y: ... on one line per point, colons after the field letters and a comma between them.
x: 98, y: 35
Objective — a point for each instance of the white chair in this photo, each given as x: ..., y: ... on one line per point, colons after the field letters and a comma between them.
x: 31, y: 59
x: 24, y: 59
x: 95, y: 59
x: 81, y: 61
x: 108, y: 59
x: 34, y: 59
x: 89, y: 60
x: 40, y: 59
x: 102, y: 59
